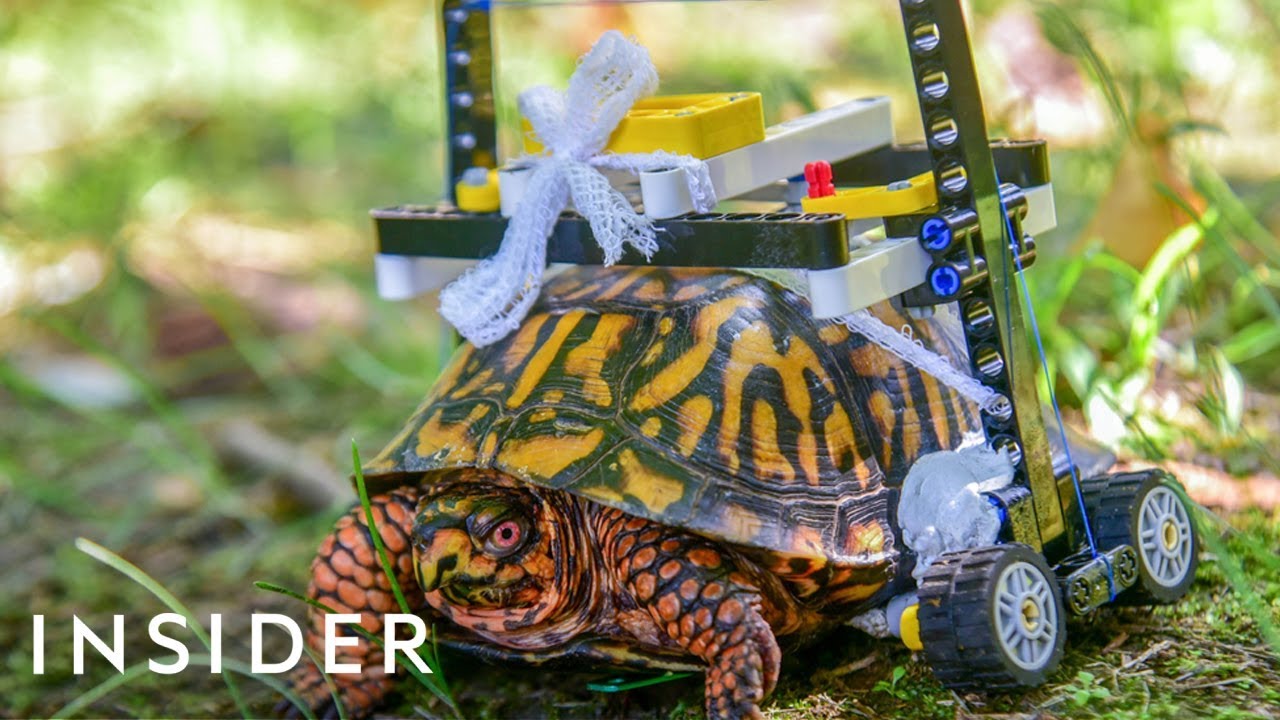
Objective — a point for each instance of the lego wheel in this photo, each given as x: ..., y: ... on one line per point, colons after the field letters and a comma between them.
x: 991, y: 618
x: 1149, y: 511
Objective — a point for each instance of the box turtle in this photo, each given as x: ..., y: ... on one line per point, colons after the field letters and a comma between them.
x: 659, y: 468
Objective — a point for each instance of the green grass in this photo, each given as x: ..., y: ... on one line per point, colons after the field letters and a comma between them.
x: 1205, y: 656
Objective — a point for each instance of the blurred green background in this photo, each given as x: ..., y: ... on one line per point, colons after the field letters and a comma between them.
x: 190, y: 341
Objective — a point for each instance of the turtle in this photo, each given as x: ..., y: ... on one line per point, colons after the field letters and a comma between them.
x: 659, y: 468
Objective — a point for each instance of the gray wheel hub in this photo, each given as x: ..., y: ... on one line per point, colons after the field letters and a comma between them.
x: 1165, y: 537
x: 1026, y: 616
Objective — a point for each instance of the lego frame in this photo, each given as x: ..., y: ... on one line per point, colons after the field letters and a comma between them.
x: 967, y: 247
x: 421, y: 248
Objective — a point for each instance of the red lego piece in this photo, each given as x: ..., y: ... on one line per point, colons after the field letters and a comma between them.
x: 818, y: 175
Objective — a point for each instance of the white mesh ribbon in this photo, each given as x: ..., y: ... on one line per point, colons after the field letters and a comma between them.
x: 574, y: 125
x: 922, y: 358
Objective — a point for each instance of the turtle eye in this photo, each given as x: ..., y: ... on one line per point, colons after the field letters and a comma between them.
x: 505, y: 538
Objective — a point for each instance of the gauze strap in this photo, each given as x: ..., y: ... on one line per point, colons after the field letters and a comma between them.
x: 922, y: 359
x: 489, y: 300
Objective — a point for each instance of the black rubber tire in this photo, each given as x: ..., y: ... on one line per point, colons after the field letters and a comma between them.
x: 1113, y: 502
x: 958, y: 625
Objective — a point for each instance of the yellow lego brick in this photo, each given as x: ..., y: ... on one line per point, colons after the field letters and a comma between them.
x: 910, y: 628
x: 703, y: 125
x: 477, y: 192
x: 878, y: 201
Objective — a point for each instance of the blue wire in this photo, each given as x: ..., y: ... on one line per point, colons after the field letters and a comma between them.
x: 1053, y: 398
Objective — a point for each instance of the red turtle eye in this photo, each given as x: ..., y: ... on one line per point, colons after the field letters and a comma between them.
x: 506, y: 536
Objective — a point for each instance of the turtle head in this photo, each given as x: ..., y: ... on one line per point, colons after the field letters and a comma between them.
x: 489, y: 548
x: 473, y: 540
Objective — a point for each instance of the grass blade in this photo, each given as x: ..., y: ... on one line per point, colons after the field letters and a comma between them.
x: 1252, y: 341
x: 133, y: 672
x: 102, y: 689
x: 136, y: 574
x: 172, y: 418
x: 1240, y: 581
x: 1062, y: 29
x: 1149, y: 297
x: 434, y: 682
x: 1229, y: 251
x: 387, y: 567
x: 112, y: 423
x: 338, y: 705
x: 1234, y: 212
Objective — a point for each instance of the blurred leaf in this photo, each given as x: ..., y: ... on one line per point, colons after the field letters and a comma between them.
x: 1208, y: 182
x: 1078, y: 363
x: 1222, y: 243
x: 1229, y: 391
x: 1166, y: 260
x: 1061, y: 28
x: 1183, y: 127
x: 1151, y: 291
x: 1253, y: 341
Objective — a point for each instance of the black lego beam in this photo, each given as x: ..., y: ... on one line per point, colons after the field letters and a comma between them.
x: 744, y: 240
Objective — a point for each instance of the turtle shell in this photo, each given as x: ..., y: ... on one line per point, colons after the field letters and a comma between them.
x: 706, y: 400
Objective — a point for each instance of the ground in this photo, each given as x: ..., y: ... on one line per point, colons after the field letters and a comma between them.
x: 1203, y: 657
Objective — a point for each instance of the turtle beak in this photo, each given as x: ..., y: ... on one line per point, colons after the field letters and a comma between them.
x: 442, y: 553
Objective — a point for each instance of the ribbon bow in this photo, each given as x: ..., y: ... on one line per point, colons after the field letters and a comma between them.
x: 489, y: 300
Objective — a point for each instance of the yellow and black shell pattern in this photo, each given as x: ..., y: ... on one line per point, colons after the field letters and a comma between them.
x: 703, y: 399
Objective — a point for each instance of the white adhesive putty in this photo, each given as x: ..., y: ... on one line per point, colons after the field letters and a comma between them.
x: 942, y: 508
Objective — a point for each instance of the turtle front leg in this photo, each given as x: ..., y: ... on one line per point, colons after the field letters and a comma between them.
x: 347, y: 576
x: 699, y: 596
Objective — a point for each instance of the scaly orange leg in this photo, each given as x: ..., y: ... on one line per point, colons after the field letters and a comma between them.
x: 348, y: 577
x: 699, y: 596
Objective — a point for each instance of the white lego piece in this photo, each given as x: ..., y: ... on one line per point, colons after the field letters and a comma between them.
x: 665, y: 193
x: 1042, y: 214
x: 832, y: 134
x: 400, y: 277
x: 894, y: 610
x: 512, y: 180
x: 795, y: 192
x: 875, y: 272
